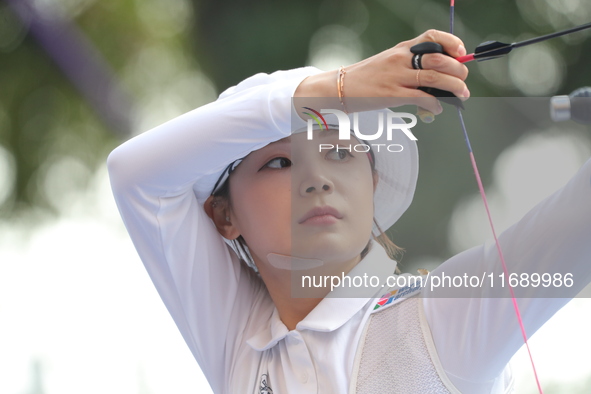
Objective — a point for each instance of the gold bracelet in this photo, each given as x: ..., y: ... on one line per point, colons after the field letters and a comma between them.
x: 341, y: 87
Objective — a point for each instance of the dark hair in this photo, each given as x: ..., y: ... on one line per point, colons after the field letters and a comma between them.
x: 239, y: 244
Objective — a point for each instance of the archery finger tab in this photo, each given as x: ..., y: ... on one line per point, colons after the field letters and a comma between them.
x: 442, y: 95
x: 426, y: 47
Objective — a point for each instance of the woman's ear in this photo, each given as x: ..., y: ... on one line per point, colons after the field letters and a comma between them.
x: 218, y: 211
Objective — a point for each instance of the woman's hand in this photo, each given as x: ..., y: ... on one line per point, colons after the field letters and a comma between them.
x: 390, y: 74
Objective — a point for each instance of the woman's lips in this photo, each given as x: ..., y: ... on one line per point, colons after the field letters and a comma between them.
x: 321, y: 215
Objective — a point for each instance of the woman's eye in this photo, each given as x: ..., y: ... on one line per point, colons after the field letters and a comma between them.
x: 338, y: 155
x: 279, y: 162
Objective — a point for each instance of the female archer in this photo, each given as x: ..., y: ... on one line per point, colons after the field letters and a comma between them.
x: 230, y: 205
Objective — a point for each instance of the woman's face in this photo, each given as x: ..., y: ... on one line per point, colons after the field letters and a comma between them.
x: 275, y: 190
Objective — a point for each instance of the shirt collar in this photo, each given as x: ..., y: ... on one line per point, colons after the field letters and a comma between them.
x: 338, y: 307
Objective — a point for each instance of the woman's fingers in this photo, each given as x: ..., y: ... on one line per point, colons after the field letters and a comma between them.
x: 452, y: 45
x: 435, y: 79
x: 438, y: 70
x: 444, y: 64
x: 420, y: 99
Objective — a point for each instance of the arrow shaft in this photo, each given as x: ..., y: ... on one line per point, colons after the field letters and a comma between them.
x: 551, y: 35
x: 475, y: 56
x: 466, y: 58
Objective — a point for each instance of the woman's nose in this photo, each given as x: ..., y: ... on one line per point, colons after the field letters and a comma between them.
x: 316, y: 184
x: 310, y: 170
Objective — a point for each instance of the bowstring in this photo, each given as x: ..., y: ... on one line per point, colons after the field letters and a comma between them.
x: 484, y: 199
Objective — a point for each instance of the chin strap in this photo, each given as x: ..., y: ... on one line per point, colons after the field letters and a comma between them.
x: 292, y: 263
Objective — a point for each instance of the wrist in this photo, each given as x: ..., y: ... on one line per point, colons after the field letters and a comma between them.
x: 319, y: 85
x: 318, y: 91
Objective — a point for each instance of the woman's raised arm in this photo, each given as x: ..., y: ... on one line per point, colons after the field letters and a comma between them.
x: 160, y: 180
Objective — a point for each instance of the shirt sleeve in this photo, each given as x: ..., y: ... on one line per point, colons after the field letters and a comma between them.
x: 160, y: 180
x: 477, y: 334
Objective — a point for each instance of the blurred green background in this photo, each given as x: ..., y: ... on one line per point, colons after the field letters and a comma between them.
x: 78, y: 77
x: 158, y: 59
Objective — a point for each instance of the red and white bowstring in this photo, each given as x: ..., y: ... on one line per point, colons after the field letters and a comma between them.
x: 492, y: 226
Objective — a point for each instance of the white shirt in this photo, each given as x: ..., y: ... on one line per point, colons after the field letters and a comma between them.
x: 160, y: 180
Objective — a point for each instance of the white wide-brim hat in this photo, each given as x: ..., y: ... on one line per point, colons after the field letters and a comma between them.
x: 398, y: 171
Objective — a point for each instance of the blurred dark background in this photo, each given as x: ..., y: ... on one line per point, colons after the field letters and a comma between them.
x: 77, y: 77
